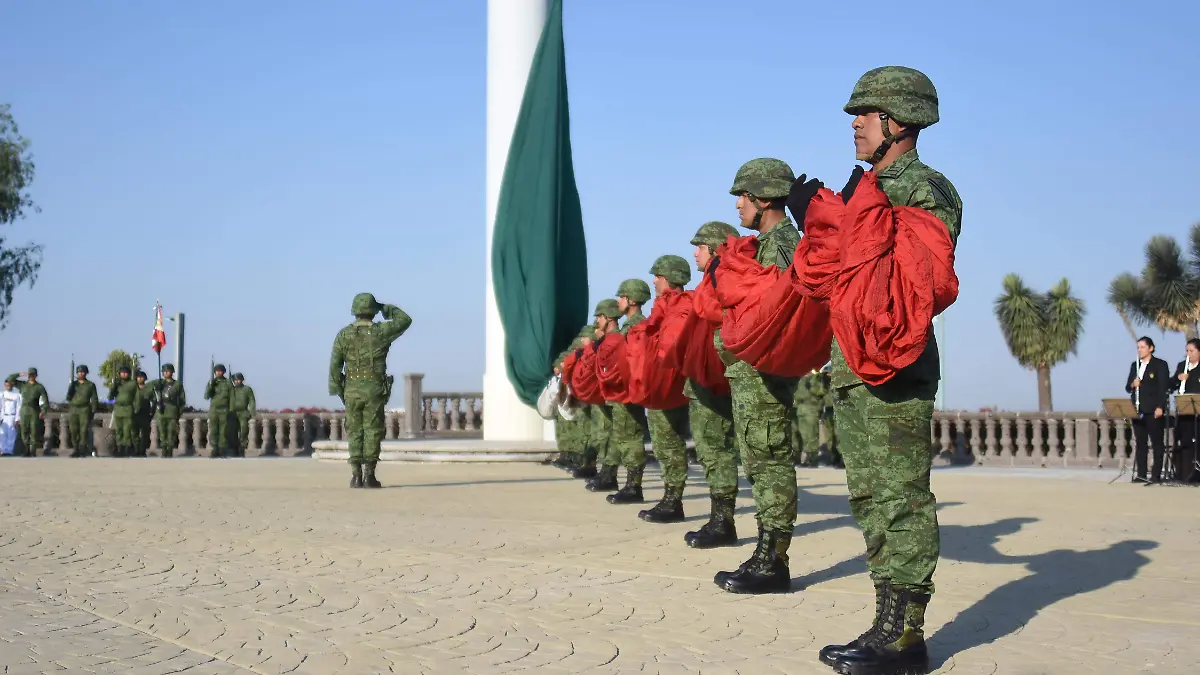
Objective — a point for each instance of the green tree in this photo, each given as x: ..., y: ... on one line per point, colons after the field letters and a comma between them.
x: 1167, y: 294
x: 116, y: 359
x: 18, y: 265
x: 1040, y: 329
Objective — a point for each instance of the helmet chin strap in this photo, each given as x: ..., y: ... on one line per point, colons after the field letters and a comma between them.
x: 758, y: 213
x: 888, y: 140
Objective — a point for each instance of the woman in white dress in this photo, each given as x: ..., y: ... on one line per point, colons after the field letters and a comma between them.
x: 10, y: 416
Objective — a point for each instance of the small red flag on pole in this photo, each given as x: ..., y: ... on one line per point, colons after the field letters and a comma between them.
x: 160, y: 336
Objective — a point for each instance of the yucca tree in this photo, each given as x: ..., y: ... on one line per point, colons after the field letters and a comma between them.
x: 1040, y: 329
x: 1167, y: 294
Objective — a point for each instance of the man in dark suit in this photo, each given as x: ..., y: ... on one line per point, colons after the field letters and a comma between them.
x: 1149, y: 384
x: 1187, y: 426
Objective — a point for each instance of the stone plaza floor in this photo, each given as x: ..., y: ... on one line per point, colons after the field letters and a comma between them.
x: 210, y: 567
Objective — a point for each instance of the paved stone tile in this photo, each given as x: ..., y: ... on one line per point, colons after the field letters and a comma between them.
x: 150, y: 567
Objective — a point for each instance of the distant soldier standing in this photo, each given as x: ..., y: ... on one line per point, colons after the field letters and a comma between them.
x: 244, y: 408
x: 220, y: 392
x: 126, y: 399
x: 83, y: 402
x: 142, y: 414
x: 364, y: 385
x: 34, y: 404
x: 169, y: 400
x: 809, y: 402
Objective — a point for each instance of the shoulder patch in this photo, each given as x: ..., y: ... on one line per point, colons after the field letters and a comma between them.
x: 944, y: 194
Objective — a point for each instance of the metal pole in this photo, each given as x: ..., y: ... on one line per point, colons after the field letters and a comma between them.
x: 178, y: 319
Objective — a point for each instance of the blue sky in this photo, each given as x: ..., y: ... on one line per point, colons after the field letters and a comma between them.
x: 257, y: 164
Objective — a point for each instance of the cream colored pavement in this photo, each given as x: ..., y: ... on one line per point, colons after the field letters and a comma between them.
x: 197, y: 566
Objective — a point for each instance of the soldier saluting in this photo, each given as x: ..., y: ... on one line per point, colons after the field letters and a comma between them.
x: 220, y: 392
x: 83, y: 402
x: 361, y: 349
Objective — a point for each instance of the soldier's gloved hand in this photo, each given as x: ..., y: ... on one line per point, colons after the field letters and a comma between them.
x: 852, y: 184
x: 803, y: 190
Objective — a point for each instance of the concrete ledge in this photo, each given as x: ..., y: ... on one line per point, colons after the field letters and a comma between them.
x: 445, y: 450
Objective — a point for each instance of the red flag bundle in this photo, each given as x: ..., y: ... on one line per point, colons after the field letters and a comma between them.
x: 897, y: 273
x: 653, y: 382
x: 687, y: 338
x: 769, y: 323
x: 612, y: 368
x: 584, y: 384
x: 160, y: 337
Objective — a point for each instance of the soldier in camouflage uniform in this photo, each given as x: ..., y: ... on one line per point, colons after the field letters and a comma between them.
x: 669, y: 428
x: 169, y: 402
x: 244, y: 408
x: 583, y: 425
x: 599, y: 439
x: 885, y: 430
x: 126, y: 399
x: 628, y: 437
x: 569, y: 435
x: 711, y: 417
x: 142, y: 414
x: 364, y: 386
x: 829, y: 418
x: 806, y: 429
x: 34, y: 404
x: 83, y: 402
x: 220, y: 392
x: 762, y: 403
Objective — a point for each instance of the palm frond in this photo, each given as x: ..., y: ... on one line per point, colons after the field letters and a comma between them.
x: 1021, y: 314
x: 1127, y: 295
x: 1194, y: 248
x: 1064, y: 323
x: 1170, y: 289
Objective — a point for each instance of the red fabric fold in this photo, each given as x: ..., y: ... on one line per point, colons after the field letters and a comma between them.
x: 654, y: 382
x: 612, y: 368
x: 897, y: 274
x: 769, y: 323
x: 585, y: 385
x: 686, y: 340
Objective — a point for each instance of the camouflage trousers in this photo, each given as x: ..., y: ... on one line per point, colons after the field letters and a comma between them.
x: 885, y: 444
x: 168, y: 434
x: 243, y: 430
x: 600, y: 435
x: 33, y: 431
x: 364, y: 424
x: 762, y: 420
x: 580, y: 438
x: 628, y: 438
x: 79, y: 423
x: 806, y: 434
x: 218, y: 430
x: 141, y: 433
x: 122, y: 421
x: 711, y: 420
x: 667, y: 431
x: 831, y: 437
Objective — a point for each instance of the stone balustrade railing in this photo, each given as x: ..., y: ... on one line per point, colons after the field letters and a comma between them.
x: 1034, y: 439
x: 441, y: 414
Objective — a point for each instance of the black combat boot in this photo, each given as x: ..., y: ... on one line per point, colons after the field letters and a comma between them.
x: 605, y: 480
x: 356, y: 476
x: 584, y: 468
x: 767, y: 570
x: 721, y: 577
x: 832, y: 653
x: 669, y: 510
x: 632, y: 492
x: 898, y: 646
x: 369, y: 476
x: 719, y: 530
x: 560, y: 461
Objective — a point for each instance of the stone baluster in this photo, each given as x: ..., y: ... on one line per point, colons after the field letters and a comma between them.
x: 1053, y: 445
x: 1105, y: 441
x: 443, y: 414
x: 989, y: 427
x: 945, y: 437
x: 64, y: 434
x: 1006, y: 444
x: 1122, y: 455
x: 427, y: 420
x: 196, y: 431
x: 1022, y: 449
x: 1038, y: 446
x: 153, y: 440
x: 297, y: 440
x: 413, y: 404
x: 335, y: 428
x: 455, y: 412
x: 1070, y: 452
x: 389, y: 431
x: 976, y: 442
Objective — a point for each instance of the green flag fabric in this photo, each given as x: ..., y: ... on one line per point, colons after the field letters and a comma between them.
x: 539, y: 256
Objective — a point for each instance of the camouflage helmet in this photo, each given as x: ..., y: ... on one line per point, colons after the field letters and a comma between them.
x: 674, y: 269
x: 609, y: 308
x: 124, y: 369
x: 364, y: 303
x: 141, y: 374
x: 11, y: 379
x: 32, y: 372
x: 765, y: 178
x: 713, y: 234
x: 587, y: 331
x: 636, y: 290
x: 81, y: 369
x: 220, y: 367
x: 238, y: 376
x: 168, y: 368
x: 905, y: 94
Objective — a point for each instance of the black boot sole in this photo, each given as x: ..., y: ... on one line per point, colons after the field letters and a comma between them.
x: 917, y: 668
x: 697, y: 543
x: 613, y: 499
x: 650, y: 517
x: 731, y: 587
